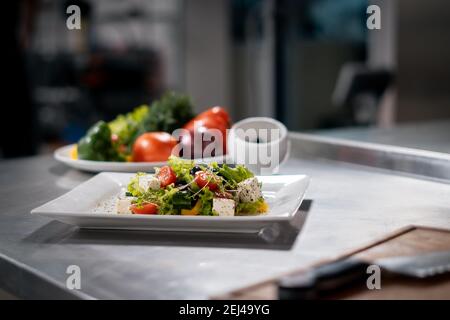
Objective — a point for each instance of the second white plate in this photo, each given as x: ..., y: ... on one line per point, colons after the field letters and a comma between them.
x: 63, y: 155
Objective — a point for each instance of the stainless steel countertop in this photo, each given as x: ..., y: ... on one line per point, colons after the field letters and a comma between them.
x: 350, y: 205
x: 431, y: 136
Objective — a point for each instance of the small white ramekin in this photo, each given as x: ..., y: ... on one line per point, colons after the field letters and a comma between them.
x: 263, y: 157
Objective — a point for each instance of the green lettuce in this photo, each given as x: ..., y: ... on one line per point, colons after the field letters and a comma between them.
x: 133, y: 185
x: 206, y: 198
x: 233, y: 175
x: 182, y: 168
x: 166, y: 203
x: 250, y: 207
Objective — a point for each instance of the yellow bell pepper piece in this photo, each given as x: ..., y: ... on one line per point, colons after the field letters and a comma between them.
x: 74, y: 152
x: 264, y: 207
x: 194, y: 211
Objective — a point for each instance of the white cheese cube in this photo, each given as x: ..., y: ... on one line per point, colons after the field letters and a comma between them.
x: 249, y: 190
x: 224, y: 207
x: 148, y: 182
x: 123, y: 205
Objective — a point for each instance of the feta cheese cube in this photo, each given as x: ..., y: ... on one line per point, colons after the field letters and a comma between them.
x: 148, y: 182
x: 249, y: 190
x: 224, y: 207
x: 123, y: 205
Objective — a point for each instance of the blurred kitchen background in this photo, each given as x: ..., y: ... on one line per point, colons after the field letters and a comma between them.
x: 312, y: 64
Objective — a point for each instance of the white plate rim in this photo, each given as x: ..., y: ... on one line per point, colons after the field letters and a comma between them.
x: 62, y: 154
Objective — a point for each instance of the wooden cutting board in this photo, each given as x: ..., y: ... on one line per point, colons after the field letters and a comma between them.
x: 409, y: 241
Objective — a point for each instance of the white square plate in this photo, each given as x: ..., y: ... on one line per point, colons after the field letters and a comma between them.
x: 284, y: 194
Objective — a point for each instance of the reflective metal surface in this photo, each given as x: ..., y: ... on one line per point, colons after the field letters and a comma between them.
x: 428, y: 135
x: 348, y: 205
x: 428, y: 164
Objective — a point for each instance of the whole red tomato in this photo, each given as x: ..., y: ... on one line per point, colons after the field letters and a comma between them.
x: 216, y: 112
x: 153, y: 146
x: 213, y: 118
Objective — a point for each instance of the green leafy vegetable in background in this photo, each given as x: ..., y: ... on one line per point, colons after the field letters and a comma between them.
x: 170, y: 112
x: 96, y: 144
x: 113, y: 141
x: 126, y: 126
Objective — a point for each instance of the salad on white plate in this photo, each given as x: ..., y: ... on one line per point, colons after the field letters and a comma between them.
x: 186, y: 188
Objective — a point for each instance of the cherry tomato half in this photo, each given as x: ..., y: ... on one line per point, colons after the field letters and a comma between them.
x: 153, y: 146
x: 204, y: 178
x: 166, y: 176
x: 146, y: 208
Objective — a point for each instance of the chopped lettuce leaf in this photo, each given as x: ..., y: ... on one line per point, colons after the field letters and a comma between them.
x: 233, y: 175
x: 166, y: 204
x: 133, y: 186
x: 206, y: 197
x: 182, y: 168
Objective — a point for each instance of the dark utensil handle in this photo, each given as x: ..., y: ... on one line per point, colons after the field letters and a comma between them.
x: 323, y: 279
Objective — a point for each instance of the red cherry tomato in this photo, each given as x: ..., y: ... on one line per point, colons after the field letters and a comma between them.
x: 166, y: 176
x: 146, y: 208
x: 153, y: 146
x: 203, y: 178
